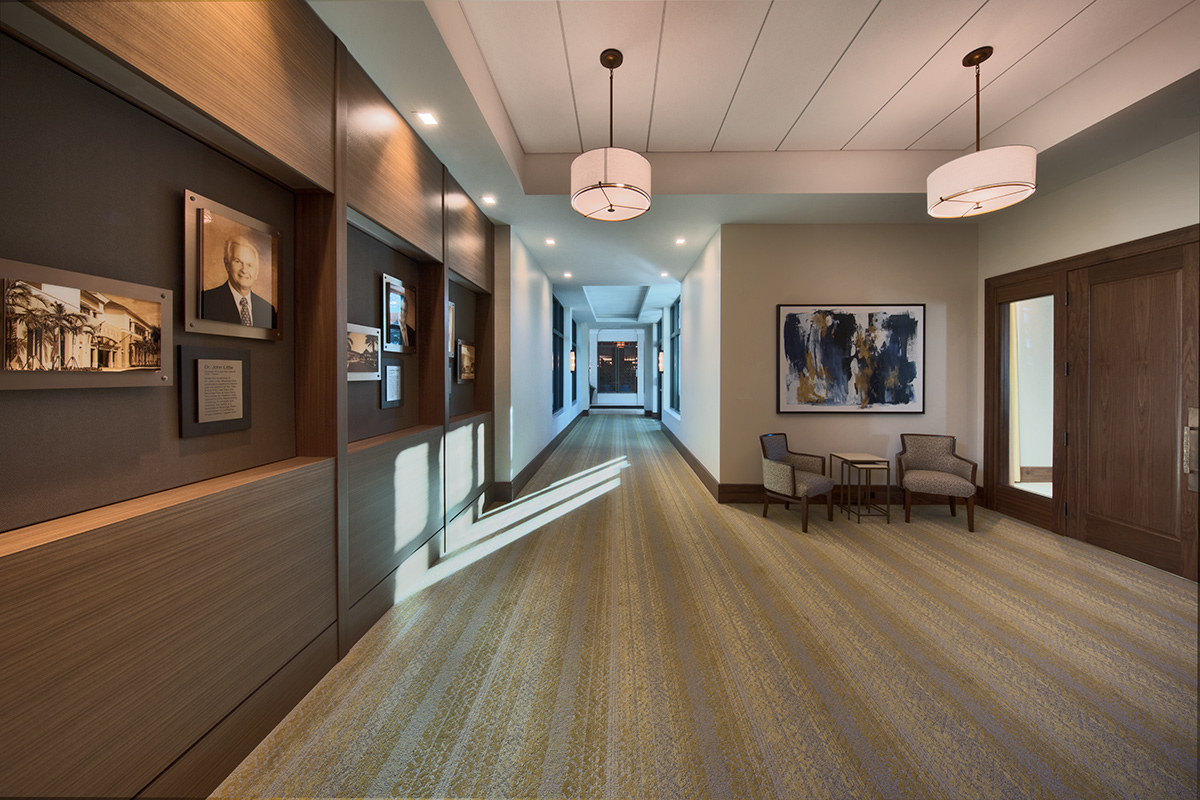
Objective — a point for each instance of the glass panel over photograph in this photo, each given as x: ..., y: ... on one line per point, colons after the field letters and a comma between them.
x: 77, y: 328
x: 1031, y: 394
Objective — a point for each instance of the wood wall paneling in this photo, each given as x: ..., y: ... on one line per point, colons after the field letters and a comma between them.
x: 485, y: 355
x: 202, y: 768
x: 469, y: 467
x: 188, y: 607
x: 392, y: 177
x: 264, y: 70
x: 396, y: 585
x: 396, y: 502
x: 434, y: 390
x: 470, y: 238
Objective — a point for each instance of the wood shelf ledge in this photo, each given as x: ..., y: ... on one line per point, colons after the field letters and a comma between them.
x: 385, y: 438
x: 42, y: 533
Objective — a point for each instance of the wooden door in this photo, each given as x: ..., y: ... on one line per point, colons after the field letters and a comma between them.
x: 1132, y: 353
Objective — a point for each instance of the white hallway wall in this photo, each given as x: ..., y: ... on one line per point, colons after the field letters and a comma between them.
x: 698, y: 423
x: 524, y: 315
x: 765, y: 265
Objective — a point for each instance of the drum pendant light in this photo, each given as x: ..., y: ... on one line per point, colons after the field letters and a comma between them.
x: 610, y: 183
x: 986, y: 180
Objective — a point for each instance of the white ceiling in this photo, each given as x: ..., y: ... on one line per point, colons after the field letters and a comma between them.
x: 760, y: 111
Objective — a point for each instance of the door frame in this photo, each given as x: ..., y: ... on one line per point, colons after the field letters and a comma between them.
x: 1023, y: 284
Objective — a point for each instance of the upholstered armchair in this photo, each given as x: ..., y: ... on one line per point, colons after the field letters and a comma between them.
x: 927, y: 464
x: 790, y: 477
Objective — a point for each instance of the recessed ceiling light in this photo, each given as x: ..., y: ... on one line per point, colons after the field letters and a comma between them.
x: 680, y: 240
x: 566, y: 274
x: 488, y: 200
x: 664, y: 275
x: 550, y: 241
x: 427, y: 118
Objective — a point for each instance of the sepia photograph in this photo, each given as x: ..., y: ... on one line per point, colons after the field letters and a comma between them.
x: 232, y: 265
x: 73, y: 328
x: 362, y: 353
x: 466, y: 362
x: 399, y: 316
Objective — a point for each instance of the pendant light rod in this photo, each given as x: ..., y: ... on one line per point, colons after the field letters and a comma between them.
x: 974, y: 59
x: 610, y: 59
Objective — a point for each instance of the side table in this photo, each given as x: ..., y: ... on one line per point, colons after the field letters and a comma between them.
x: 856, y: 469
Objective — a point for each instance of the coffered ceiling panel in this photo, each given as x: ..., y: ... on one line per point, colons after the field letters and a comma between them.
x: 798, y: 46
x: 893, y: 45
x: 634, y: 28
x: 705, y: 48
x: 943, y: 84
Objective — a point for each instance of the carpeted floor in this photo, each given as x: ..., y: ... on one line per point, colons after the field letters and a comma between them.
x: 650, y: 643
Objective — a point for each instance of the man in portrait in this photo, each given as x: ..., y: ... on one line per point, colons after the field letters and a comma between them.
x: 233, y: 301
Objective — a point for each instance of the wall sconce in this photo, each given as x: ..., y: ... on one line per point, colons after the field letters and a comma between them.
x: 572, y: 359
x: 661, y: 360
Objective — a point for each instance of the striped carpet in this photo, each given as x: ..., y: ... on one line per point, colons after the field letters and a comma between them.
x: 652, y: 644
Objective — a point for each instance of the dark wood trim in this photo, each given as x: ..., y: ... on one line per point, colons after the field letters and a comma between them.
x: 507, y: 491
x: 706, y: 478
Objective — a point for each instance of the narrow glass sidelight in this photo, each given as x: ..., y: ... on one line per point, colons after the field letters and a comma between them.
x: 1030, y: 379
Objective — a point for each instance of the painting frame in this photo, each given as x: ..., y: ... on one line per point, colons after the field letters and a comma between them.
x: 362, y: 352
x: 399, y: 322
x: 465, y: 368
x: 210, y: 231
x: 821, y: 365
x: 42, y: 287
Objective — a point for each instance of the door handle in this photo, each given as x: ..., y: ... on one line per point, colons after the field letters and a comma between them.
x: 1191, y: 449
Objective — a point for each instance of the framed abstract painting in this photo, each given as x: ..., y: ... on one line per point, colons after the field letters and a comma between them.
x: 850, y: 359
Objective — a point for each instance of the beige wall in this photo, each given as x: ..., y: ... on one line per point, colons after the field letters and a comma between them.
x: 763, y: 265
x: 698, y: 423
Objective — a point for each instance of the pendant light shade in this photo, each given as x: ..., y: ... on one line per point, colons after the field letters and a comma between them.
x: 610, y: 183
x: 986, y: 180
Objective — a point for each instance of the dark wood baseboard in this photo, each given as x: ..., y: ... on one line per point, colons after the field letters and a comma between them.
x: 507, y: 491
x: 706, y: 478
x: 753, y: 493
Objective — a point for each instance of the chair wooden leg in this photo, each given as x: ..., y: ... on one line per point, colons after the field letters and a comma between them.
x: 766, y: 502
x: 908, y: 505
x: 804, y: 515
x: 971, y: 513
x: 829, y: 503
x: 953, y: 511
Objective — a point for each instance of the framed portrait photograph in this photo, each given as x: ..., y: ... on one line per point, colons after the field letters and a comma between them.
x: 231, y: 264
x: 391, y: 384
x: 399, y: 316
x: 362, y: 352
x: 466, y: 361
x: 850, y: 359
x: 68, y: 330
